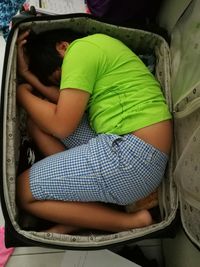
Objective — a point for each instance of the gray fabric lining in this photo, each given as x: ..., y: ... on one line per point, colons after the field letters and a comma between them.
x: 140, y: 41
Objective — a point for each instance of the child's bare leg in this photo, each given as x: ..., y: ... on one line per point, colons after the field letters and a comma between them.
x: 148, y: 202
x: 46, y: 143
x: 62, y: 229
x: 78, y: 214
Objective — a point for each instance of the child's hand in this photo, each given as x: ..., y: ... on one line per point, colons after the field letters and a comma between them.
x: 22, y: 59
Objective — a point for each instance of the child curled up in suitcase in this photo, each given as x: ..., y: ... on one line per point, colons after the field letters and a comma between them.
x: 106, y: 133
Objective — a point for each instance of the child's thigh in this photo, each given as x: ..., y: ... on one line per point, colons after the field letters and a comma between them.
x: 67, y: 176
x: 109, y: 168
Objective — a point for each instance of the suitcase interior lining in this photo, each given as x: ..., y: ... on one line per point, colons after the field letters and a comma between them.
x: 142, y: 43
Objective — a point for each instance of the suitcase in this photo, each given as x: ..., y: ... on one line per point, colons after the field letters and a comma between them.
x: 143, y: 43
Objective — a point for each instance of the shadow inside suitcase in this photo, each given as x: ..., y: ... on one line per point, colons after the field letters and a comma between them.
x: 153, y: 50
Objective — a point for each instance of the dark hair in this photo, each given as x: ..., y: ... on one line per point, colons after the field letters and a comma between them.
x: 43, y: 57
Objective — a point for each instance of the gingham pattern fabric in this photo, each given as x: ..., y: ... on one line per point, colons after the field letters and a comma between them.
x: 81, y: 136
x: 109, y: 168
x: 8, y: 8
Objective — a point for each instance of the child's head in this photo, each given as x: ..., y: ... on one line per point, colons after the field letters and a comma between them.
x: 44, y: 58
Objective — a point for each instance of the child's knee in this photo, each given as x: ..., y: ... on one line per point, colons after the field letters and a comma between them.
x: 24, y: 195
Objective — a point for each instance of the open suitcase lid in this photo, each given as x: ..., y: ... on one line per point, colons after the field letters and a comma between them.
x: 185, y: 86
x: 186, y: 154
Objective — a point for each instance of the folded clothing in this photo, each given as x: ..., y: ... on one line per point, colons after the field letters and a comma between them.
x: 8, y: 9
x: 5, y: 253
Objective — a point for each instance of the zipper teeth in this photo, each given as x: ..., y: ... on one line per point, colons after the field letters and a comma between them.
x: 190, y: 108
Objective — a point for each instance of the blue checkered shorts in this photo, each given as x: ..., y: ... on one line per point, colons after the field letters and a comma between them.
x: 105, y: 168
x: 81, y: 136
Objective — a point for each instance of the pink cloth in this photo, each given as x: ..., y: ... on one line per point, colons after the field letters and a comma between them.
x: 4, y: 252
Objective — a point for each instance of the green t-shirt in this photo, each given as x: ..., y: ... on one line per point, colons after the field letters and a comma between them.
x: 124, y: 95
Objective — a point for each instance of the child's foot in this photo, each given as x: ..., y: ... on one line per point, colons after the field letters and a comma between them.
x: 140, y: 219
x: 62, y: 229
x: 147, y: 203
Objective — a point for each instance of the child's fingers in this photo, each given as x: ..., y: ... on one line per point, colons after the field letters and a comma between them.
x: 21, y: 43
x: 22, y: 37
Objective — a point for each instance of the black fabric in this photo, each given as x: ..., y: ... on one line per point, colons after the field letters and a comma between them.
x: 26, y: 148
x: 125, y: 12
x: 136, y: 255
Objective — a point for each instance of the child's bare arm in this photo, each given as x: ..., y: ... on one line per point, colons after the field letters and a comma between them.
x: 59, y: 120
x: 50, y: 92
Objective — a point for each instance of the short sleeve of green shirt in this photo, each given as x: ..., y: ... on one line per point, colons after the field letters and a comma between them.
x: 75, y: 74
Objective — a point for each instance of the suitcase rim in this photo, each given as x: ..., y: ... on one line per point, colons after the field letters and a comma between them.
x: 5, y: 212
